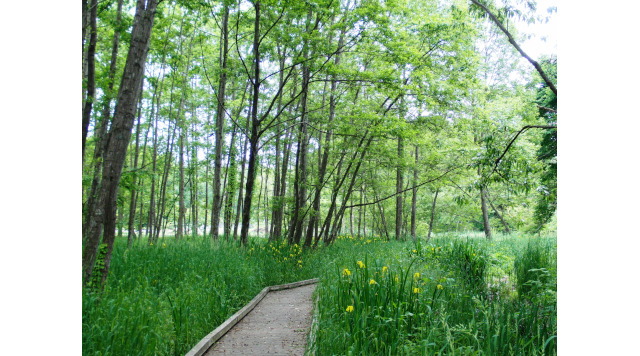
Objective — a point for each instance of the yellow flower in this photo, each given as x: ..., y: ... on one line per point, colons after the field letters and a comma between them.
x: 416, y: 275
x: 361, y: 265
x: 372, y: 282
x: 300, y: 261
x: 384, y: 269
x: 414, y: 251
x: 416, y: 290
x: 440, y: 286
x: 350, y: 308
x: 346, y: 272
x: 164, y: 245
x: 396, y: 279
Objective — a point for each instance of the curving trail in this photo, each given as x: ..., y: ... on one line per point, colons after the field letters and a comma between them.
x: 278, y: 325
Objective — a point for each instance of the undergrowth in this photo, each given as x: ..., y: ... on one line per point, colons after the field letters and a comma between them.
x: 162, y: 299
x: 454, y: 295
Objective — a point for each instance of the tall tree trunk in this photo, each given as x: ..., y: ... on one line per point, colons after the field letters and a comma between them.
x: 154, y: 158
x: 301, y: 199
x: 215, y: 217
x: 364, y: 215
x: 91, y: 74
x: 163, y: 184
x: 120, y: 219
x: 206, y: 182
x: 500, y: 216
x: 194, y: 179
x: 279, y: 211
x: 242, y: 174
x: 414, y: 197
x: 144, y: 153
x: 399, y: 184
x: 383, y: 221
x: 169, y: 156
x: 231, y: 185
x: 261, y: 168
x: 360, y: 212
x: 255, y: 123
x: 181, y: 207
x: 433, y: 214
x: 485, y: 213
x: 118, y: 141
x: 85, y: 11
x: 315, y: 217
x: 132, y: 203
x: 277, y: 199
x: 102, y: 125
x: 354, y: 175
x: 351, y: 219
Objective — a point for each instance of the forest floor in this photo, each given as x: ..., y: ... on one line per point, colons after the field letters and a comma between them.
x: 278, y: 325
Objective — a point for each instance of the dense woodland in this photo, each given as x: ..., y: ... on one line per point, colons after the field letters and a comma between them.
x: 304, y: 120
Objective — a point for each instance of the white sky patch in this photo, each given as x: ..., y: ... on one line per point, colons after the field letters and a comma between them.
x: 544, y: 39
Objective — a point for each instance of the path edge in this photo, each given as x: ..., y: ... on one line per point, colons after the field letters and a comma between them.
x: 203, y: 345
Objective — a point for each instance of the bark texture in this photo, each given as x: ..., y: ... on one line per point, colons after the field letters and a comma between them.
x: 119, y: 136
x: 217, y: 170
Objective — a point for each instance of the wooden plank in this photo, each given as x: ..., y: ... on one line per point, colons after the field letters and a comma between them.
x: 294, y: 284
x: 203, y: 345
x: 206, y: 342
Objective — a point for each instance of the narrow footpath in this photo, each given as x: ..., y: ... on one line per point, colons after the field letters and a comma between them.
x: 278, y: 325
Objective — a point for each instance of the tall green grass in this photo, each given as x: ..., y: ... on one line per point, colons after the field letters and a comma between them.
x: 162, y: 299
x: 456, y: 295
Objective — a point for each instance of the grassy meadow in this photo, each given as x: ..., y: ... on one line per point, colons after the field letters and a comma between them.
x: 457, y: 294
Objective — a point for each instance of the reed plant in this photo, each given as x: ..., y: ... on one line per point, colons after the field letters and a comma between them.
x: 162, y: 299
x: 454, y: 295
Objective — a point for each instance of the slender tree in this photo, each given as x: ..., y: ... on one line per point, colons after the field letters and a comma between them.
x: 399, y: 183
x: 119, y: 135
x: 220, y: 115
x: 414, y: 197
x: 91, y: 72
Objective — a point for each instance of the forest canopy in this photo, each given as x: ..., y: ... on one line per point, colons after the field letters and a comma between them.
x: 303, y: 120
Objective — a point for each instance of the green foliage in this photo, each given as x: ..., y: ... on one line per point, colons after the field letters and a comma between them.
x: 535, y: 271
x: 96, y: 278
x: 424, y: 299
x: 547, y: 153
x: 469, y: 262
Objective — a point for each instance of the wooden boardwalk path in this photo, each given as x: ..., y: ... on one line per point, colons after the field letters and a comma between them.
x: 277, y: 325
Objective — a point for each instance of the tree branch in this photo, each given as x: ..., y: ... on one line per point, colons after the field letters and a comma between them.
x: 547, y: 109
x: 411, y: 188
x: 516, y: 136
x: 515, y: 44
